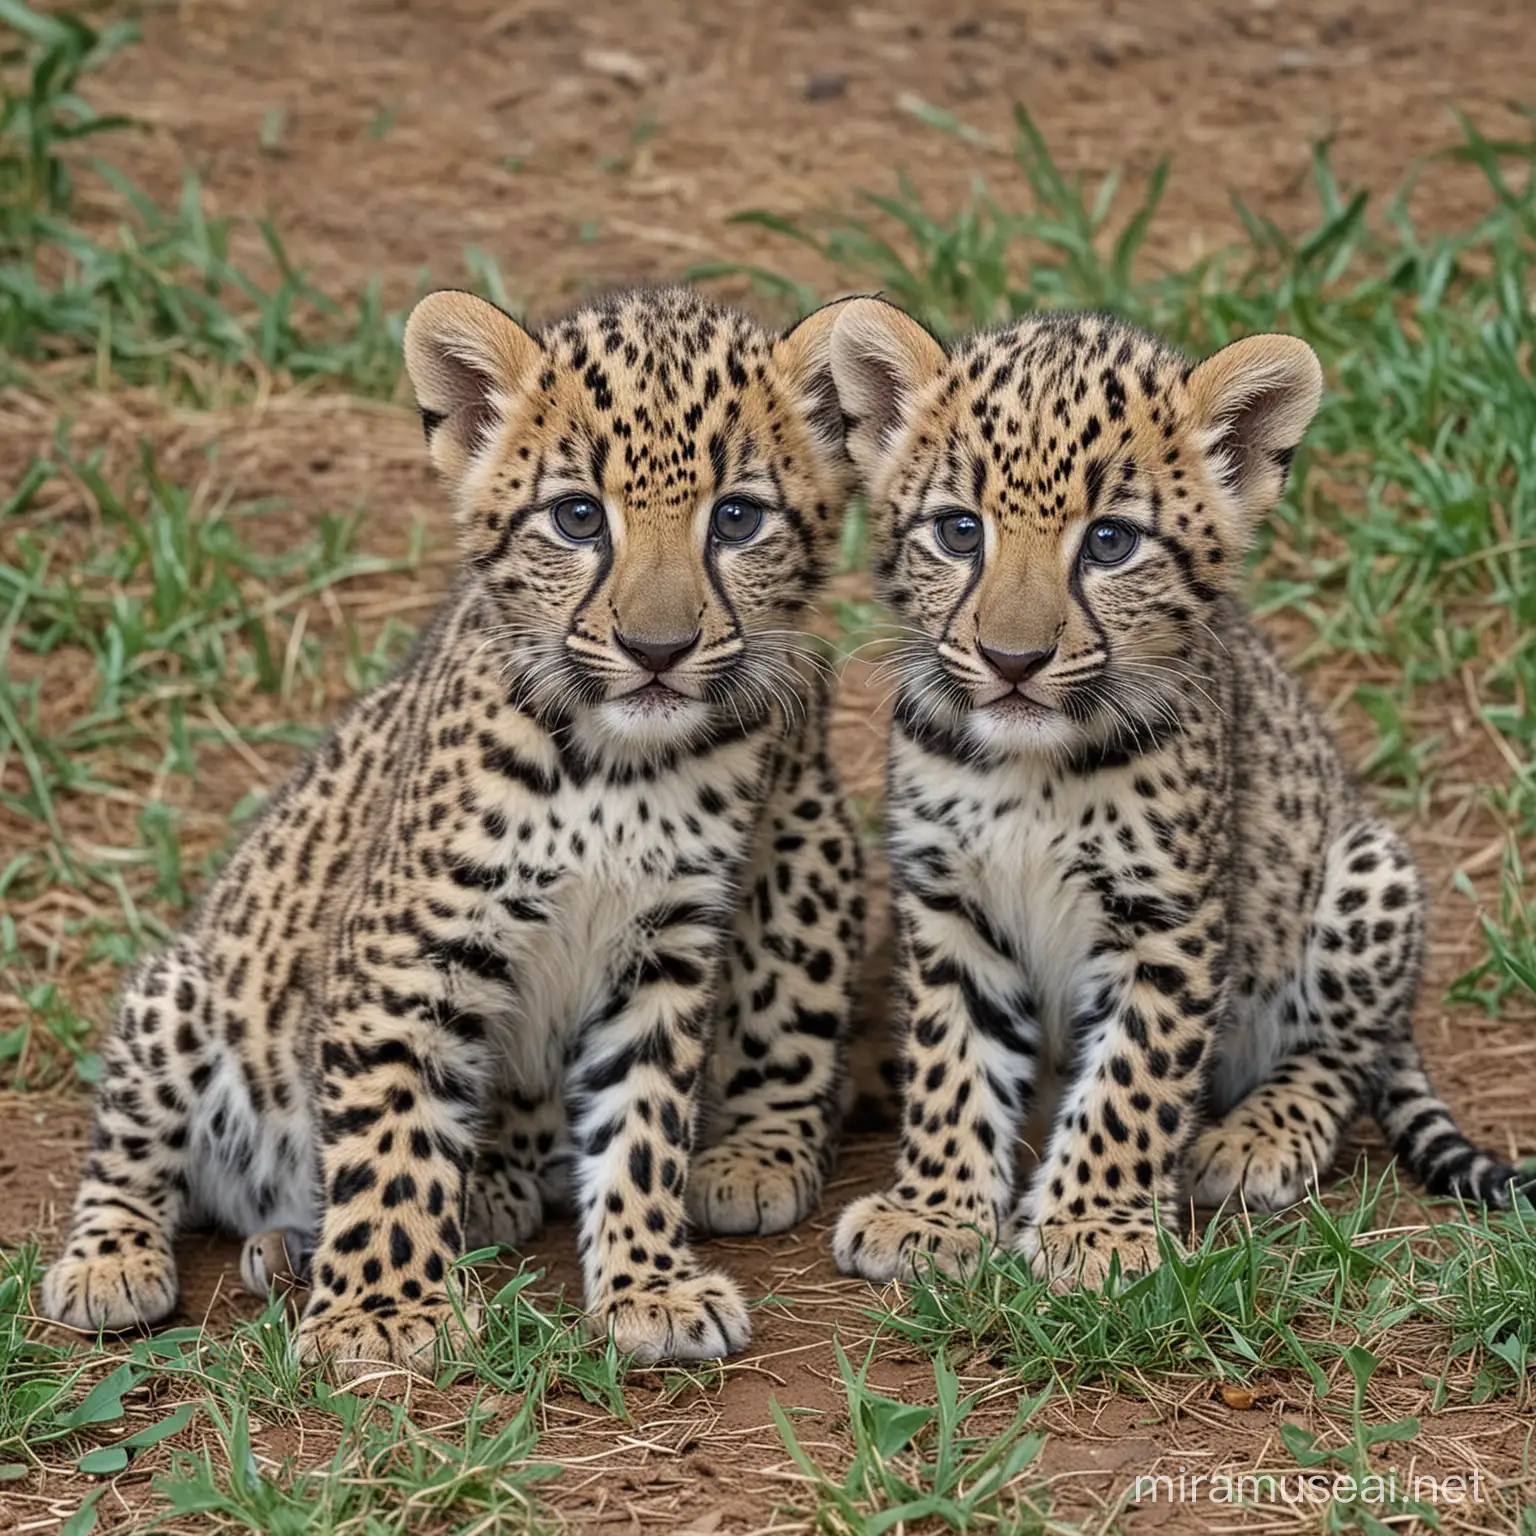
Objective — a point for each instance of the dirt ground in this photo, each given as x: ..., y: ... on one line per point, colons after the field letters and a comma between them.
x: 790, y: 106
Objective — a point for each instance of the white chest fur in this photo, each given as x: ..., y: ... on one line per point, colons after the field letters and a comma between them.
x: 583, y: 867
x: 1014, y: 839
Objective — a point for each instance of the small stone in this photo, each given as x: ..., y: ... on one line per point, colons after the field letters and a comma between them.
x: 1101, y: 53
x: 825, y: 87
x: 1292, y: 61
x: 617, y: 65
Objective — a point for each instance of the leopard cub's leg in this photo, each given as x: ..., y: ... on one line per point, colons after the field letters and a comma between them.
x: 504, y: 1206
x: 1349, y: 1003
x: 403, y: 1080
x: 1110, y: 1177
x: 779, y: 1052
x: 517, y: 1169
x: 117, y: 1269
x: 971, y: 1043
x: 633, y: 1092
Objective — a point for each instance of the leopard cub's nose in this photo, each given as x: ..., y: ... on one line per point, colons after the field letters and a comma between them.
x: 1016, y: 666
x: 656, y: 656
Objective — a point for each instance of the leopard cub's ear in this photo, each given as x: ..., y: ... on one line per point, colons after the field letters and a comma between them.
x: 1251, y: 404
x: 804, y: 357
x: 881, y: 359
x: 468, y: 362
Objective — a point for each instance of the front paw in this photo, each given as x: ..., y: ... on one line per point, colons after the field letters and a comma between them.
x: 735, y: 1189
x: 1267, y: 1170
x: 503, y: 1210
x: 1079, y: 1252
x: 882, y: 1239
x: 126, y: 1287
x: 356, y: 1339
x: 700, y: 1318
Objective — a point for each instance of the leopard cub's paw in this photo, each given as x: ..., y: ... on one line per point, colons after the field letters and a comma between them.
x: 277, y: 1258
x: 414, y: 1336
x: 1078, y: 1253
x: 881, y: 1238
x: 699, y: 1318
x: 758, y: 1189
x: 1266, y: 1170
x: 503, y: 1209
x: 126, y: 1285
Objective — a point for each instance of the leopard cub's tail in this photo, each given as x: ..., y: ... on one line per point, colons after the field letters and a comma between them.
x: 1423, y: 1133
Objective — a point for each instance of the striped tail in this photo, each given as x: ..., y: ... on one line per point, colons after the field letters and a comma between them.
x: 1423, y: 1134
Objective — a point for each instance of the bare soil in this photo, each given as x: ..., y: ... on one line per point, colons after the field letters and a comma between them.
x: 792, y: 106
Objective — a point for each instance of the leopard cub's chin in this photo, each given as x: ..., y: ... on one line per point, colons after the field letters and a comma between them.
x: 652, y: 718
x: 1017, y: 724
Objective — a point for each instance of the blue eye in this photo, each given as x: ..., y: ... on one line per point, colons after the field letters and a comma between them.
x: 958, y: 533
x: 1110, y: 542
x: 736, y: 519
x: 579, y: 518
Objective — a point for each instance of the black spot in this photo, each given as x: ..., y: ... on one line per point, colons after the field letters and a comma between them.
x: 400, y: 1188
x: 640, y: 1166
x: 351, y: 1180
x: 400, y: 1246
x: 355, y: 1238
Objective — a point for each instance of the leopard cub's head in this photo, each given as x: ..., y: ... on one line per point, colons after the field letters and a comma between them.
x: 650, y: 490
x: 1059, y: 509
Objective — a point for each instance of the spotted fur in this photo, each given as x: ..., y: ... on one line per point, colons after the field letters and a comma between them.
x: 1127, y: 855
x: 568, y: 909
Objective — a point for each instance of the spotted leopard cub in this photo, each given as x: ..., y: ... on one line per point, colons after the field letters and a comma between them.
x: 568, y: 908
x: 1127, y: 855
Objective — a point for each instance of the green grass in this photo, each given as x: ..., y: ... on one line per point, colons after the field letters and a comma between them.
x: 166, y: 610
x: 387, y: 1476
x: 912, y: 1463
x: 1353, y: 1457
x: 169, y: 616
x: 43, y: 110
x: 204, y: 308
x: 526, y: 1346
x: 1292, y: 1293
x: 193, y: 1406
x: 1510, y: 969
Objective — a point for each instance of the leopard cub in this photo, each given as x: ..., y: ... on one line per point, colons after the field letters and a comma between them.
x: 566, y: 911
x: 1126, y: 853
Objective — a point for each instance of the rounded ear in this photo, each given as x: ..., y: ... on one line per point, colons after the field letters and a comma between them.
x: 881, y: 359
x: 467, y: 361
x: 804, y: 354
x: 1252, y: 403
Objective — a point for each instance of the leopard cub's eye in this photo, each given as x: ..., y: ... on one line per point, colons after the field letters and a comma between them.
x: 736, y: 519
x: 1108, y: 542
x: 578, y: 517
x: 959, y: 533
